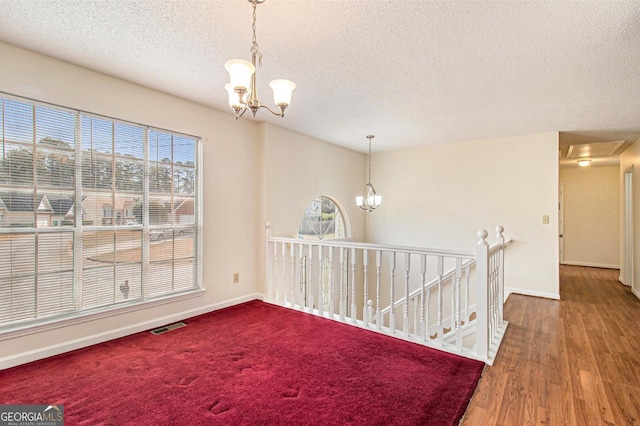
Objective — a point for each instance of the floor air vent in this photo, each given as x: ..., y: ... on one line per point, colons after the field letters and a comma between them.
x: 168, y: 328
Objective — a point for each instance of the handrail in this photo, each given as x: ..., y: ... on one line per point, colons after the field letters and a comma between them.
x: 369, y: 246
x: 434, y: 281
x: 427, y: 286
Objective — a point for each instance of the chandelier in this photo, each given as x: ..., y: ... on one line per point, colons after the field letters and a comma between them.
x: 371, y: 201
x: 242, y: 88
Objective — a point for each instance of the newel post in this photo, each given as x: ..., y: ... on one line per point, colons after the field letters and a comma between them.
x: 482, y: 295
x: 500, y: 238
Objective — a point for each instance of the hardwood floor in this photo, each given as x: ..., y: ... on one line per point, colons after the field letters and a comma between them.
x: 575, y: 361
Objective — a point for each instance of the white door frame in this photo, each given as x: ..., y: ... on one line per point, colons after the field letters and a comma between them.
x: 627, y: 279
x: 561, y: 221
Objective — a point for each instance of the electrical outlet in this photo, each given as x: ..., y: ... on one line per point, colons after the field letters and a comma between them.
x: 545, y: 219
x: 236, y: 277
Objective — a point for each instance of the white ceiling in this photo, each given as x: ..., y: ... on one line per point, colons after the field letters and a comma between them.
x: 410, y: 72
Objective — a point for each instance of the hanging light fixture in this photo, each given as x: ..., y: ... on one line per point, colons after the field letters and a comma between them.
x: 371, y: 201
x: 242, y: 87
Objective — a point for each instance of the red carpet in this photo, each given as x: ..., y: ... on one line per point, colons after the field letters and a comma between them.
x: 251, y: 364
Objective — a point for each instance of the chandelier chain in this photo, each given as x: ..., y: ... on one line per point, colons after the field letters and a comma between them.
x: 255, y: 50
x: 369, y: 177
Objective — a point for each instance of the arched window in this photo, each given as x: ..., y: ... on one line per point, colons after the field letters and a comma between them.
x: 323, y: 219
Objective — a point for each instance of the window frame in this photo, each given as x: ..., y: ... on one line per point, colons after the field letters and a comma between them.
x: 343, y: 214
x: 80, y: 313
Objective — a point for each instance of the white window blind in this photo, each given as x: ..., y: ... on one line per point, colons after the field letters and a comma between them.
x: 94, y: 212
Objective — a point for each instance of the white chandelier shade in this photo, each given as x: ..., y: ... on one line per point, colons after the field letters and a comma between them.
x: 234, y: 100
x: 240, y: 73
x: 282, y: 90
x: 370, y: 200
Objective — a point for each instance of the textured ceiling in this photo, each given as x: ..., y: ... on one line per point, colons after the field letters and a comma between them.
x: 410, y: 72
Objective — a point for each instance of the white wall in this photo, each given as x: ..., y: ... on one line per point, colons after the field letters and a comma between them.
x: 439, y: 196
x: 591, y: 216
x: 631, y: 158
x: 298, y: 168
x: 231, y: 165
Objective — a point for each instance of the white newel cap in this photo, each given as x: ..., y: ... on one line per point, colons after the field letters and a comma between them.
x: 482, y: 234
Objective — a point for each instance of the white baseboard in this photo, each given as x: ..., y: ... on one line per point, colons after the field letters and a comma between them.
x: 590, y: 265
x: 634, y: 291
x: 509, y: 290
x: 45, y: 352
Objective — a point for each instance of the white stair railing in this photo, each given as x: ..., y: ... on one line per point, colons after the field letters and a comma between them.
x: 451, y: 300
x: 490, y: 294
x: 460, y: 275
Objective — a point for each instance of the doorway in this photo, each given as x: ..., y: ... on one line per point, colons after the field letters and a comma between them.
x: 561, y: 221
x: 627, y: 279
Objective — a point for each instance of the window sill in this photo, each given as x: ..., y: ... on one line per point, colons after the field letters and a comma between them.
x: 95, y: 314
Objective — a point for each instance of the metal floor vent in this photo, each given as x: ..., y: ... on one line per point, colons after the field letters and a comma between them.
x: 167, y: 328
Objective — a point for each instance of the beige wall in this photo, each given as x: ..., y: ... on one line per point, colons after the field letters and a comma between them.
x: 298, y: 168
x: 256, y: 173
x: 231, y: 161
x: 439, y: 196
x: 591, y: 216
x: 630, y: 159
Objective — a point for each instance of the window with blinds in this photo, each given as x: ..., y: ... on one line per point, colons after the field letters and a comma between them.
x: 94, y: 212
